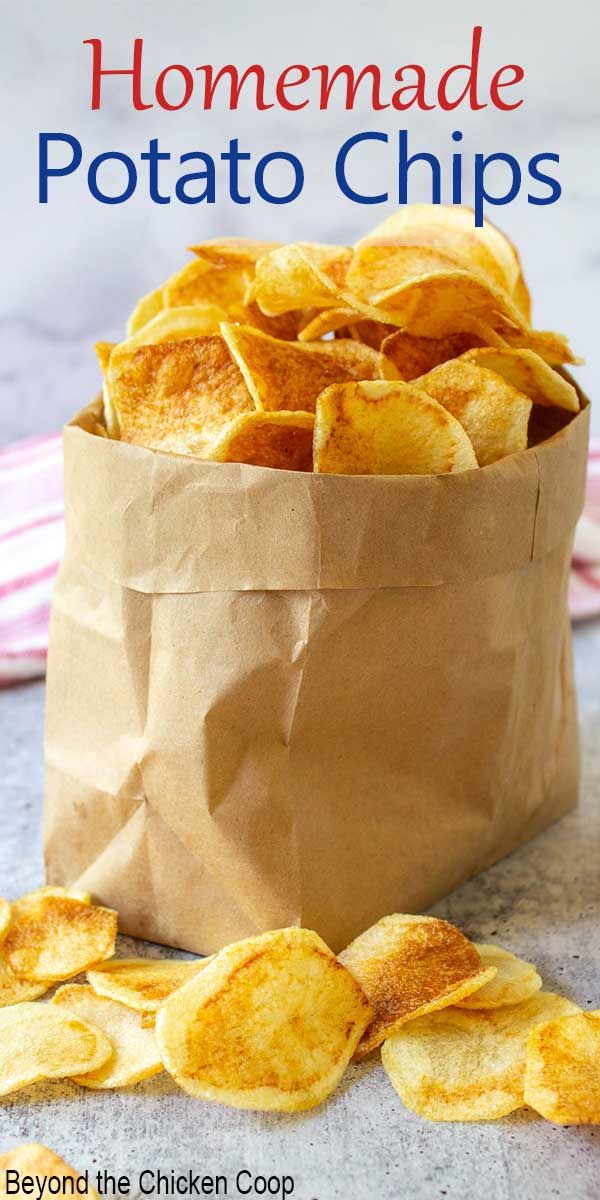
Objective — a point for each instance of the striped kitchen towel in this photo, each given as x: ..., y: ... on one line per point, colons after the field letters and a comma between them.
x: 32, y: 539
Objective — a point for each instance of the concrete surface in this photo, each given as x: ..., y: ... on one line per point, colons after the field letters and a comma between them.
x: 543, y: 902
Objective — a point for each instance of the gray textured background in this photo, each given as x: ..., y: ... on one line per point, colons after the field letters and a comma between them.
x: 71, y: 273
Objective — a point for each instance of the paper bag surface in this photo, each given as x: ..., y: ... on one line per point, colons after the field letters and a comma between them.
x: 279, y: 698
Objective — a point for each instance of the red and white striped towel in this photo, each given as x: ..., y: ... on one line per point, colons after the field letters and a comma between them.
x: 32, y: 539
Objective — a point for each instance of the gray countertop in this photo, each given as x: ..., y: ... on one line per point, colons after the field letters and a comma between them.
x: 542, y: 902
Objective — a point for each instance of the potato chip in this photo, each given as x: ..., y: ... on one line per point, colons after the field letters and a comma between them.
x: 143, y: 983
x: 409, y: 965
x: 414, y: 356
x: 271, y: 1024
x: 57, y: 936
x: 14, y: 990
x: 200, y: 283
x: 437, y: 304
x: 54, y: 889
x: 43, y: 1165
x: 39, y: 1041
x: 4, y: 917
x: 135, y: 1054
x: 176, y: 324
x: 562, y: 1072
x: 386, y: 428
x: 327, y: 321
x: 493, y: 413
x: 515, y: 980
x: 301, y: 275
x: 455, y: 1065
x: 529, y: 374
x: 233, y: 252
x: 176, y: 396
x: 148, y: 307
x: 451, y: 230
x: 372, y: 333
x: 267, y: 439
x: 552, y: 347
x: 285, y: 376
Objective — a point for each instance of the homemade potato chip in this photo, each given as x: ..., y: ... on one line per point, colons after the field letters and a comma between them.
x: 515, y: 980
x: 14, y: 990
x: 143, y: 983
x: 562, y: 1072
x: 409, y: 965
x: 552, y: 347
x: 493, y: 413
x: 146, y: 308
x: 451, y: 230
x: 53, y: 937
x: 386, y: 428
x: 327, y: 321
x: 437, y: 304
x: 4, y: 917
x: 271, y: 1024
x: 135, y: 1055
x: 529, y: 374
x: 44, y: 1165
x: 173, y: 325
x: 176, y: 396
x: 267, y: 439
x: 233, y: 251
x: 455, y: 1065
x: 302, y: 275
x: 200, y: 283
x: 413, y: 356
x: 280, y: 375
x: 39, y: 1041
x: 54, y: 889
x: 376, y: 269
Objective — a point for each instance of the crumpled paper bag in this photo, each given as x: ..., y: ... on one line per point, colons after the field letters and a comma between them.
x: 279, y: 698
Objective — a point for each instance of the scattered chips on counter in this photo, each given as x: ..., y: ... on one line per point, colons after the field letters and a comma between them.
x: 248, y: 327
x: 271, y: 1022
x: 459, y: 1065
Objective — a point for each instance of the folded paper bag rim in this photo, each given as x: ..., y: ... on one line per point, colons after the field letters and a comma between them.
x: 128, y: 516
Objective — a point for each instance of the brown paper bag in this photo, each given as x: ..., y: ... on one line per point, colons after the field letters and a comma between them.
x: 279, y: 698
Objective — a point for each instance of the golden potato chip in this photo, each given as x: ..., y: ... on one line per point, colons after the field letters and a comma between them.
x: 289, y: 376
x: 53, y: 937
x: 143, y: 983
x: 135, y: 1054
x: 176, y: 396
x: 146, y: 308
x: 14, y: 990
x: 493, y: 413
x: 302, y: 275
x: 103, y: 353
x: 386, y: 428
x: 552, y: 347
x: 233, y: 251
x: 271, y: 1024
x: 438, y: 304
x: 562, y: 1072
x: 408, y: 966
x: 376, y: 269
x: 4, y: 917
x: 38, y: 1041
x: 200, y: 283
x: 414, y: 356
x: 43, y: 1165
x: 175, y: 324
x: 455, y: 1065
x: 451, y: 230
x: 515, y: 980
x: 267, y: 439
x: 529, y: 374
x: 327, y: 321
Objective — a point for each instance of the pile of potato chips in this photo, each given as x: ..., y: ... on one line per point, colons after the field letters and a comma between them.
x: 271, y: 1023
x: 410, y: 353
